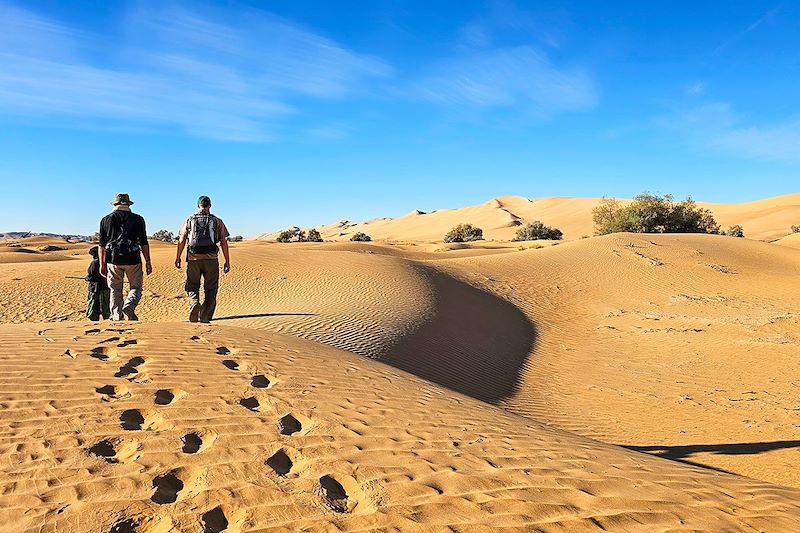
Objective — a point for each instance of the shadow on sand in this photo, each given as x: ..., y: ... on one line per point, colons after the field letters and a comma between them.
x: 261, y: 315
x: 476, y: 343
x: 682, y: 453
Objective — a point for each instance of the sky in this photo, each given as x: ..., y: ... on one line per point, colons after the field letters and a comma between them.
x: 309, y: 112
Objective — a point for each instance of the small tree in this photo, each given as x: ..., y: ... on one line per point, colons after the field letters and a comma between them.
x: 360, y: 237
x: 795, y: 229
x: 294, y: 234
x: 536, y: 230
x: 163, y: 236
x: 735, y: 231
x: 464, y: 233
x: 653, y: 214
x: 314, y: 236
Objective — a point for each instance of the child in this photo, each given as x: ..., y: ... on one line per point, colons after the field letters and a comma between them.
x: 99, y: 293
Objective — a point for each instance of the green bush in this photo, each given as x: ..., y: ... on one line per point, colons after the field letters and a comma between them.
x: 735, y: 231
x: 313, y: 235
x: 652, y: 214
x: 536, y: 230
x: 464, y: 233
x: 163, y: 236
x: 292, y: 235
x: 360, y: 237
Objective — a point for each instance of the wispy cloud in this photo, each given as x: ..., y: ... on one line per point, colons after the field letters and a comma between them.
x: 522, y: 77
x: 774, y: 142
x: 752, y: 27
x: 230, y: 76
x: 717, y: 126
x: 696, y: 88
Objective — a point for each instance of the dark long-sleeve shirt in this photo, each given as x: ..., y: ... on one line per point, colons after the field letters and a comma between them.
x: 96, y: 280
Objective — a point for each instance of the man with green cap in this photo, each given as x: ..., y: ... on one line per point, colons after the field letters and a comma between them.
x: 202, y: 232
x: 123, y: 241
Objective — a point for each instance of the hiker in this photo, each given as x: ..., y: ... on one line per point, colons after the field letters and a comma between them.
x: 123, y: 241
x: 201, y: 232
x: 99, y: 293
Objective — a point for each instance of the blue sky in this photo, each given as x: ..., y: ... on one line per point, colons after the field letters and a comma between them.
x: 311, y: 112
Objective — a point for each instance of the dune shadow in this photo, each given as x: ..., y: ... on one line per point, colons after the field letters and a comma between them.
x: 476, y: 343
x: 682, y: 453
x: 261, y: 315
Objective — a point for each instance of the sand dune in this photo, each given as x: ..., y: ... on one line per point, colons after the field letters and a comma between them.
x: 792, y: 241
x: 679, y: 346
x: 766, y: 219
x: 167, y: 427
x: 683, y: 345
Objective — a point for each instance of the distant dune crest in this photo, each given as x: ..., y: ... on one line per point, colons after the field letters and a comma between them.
x: 767, y: 219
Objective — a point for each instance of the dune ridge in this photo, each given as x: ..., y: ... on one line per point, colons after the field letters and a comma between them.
x: 766, y: 219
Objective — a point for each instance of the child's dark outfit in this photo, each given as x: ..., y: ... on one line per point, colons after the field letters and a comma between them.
x: 99, y: 293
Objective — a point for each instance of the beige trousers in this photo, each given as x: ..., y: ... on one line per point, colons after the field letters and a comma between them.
x: 116, y: 277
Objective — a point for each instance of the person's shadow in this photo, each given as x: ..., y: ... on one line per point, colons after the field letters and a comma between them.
x: 261, y: 315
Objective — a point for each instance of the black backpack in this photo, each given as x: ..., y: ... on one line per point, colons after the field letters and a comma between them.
x: 124, y: 249
x: 202, y: 234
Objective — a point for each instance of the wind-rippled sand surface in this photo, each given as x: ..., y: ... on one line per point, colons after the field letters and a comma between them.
x: 411, y: 387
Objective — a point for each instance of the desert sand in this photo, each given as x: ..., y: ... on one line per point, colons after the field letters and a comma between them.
x: 626, y: 383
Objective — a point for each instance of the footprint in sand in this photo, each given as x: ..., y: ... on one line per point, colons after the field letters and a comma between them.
x: 214, y: 521
x: 284, y: 461
x: 192, y: 442
x: 130, y: 369
x: 104, y: 449
x: 167, y: 488
x: 104, y: 353
x: 260, y: 381
x: 343, y: 494
x: 112, y: 392
x: 115, y: 450
x: 231, y: 364
x: 126, y: 525
x: 131, y: 420
x: 223, y: 350
x: 293, y: 424
x: 164, y: 397
x: 251, y: 403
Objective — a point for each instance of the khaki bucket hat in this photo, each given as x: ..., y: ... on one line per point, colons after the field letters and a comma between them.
x: 122, y: 199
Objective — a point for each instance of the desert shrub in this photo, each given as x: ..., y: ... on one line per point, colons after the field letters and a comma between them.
x: 163, y: 236
x: 237, y: 238
x: 292, y: 235
x: 536, y: 230
x: 360, y: 237
x: 464, y: 233
x: 735, y: 231
x: 795, y: 229
x: 313, y: 235
x: 650, y: 213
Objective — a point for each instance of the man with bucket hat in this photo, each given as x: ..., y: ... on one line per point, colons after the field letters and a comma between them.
x: 123, y: 241
x: 200, y: 233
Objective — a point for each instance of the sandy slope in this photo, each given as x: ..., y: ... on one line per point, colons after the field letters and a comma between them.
x: 168, y: 427
x: 685, y: 346
x: 792, y: 241
x: 680, y: 346
x: 765, y: 219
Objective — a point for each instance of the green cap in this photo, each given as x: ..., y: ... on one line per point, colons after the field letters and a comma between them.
x: 204, y: 201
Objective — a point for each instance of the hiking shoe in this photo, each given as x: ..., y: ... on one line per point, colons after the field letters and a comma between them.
x: 194, y: 313
x: 130, y: 313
